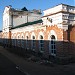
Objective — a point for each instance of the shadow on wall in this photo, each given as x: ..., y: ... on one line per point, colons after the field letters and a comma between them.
x: 59, y: 51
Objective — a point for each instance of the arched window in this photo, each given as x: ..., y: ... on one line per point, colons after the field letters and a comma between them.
x: 15, y: 39
x: 33, y: 42
x: 12, y: 39
x: 22, y: 37
x: 27, y: 41
x: 18, y: 40
x: 41, y: 43
x: 22, y: 41
x: 53, y: 46
x: 33, y: 37
x: 18, y: 37
x: 27, y: 37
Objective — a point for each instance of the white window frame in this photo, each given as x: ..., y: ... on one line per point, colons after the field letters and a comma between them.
x: 33, y: 43
x: 41, y: 44
x: 52, y: 32
x: 27, y: 44
x: 53, y: 46
x: 22, y: 40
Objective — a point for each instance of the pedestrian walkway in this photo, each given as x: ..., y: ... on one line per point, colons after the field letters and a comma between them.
x: 32, y: 68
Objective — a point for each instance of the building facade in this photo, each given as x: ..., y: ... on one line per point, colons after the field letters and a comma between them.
x: 52, y: 34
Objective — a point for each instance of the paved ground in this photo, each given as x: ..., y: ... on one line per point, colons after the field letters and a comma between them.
x: 32, y: 68
x: 7, y: 67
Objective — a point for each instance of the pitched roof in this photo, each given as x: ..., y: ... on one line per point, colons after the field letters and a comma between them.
x: 28, y: 23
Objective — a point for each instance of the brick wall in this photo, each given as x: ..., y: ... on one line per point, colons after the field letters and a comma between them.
x: 64, y: 47
x: 72, y: 41
x: 69, y: 41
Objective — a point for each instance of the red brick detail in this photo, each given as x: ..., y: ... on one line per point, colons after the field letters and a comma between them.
x: 72, y: 42
x: 72, y: 35
x: 64, y: 35
x: 58, y: 31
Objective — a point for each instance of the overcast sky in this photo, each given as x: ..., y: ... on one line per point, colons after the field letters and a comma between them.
x: 31, y: 4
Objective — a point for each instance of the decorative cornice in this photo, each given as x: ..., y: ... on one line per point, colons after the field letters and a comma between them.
x: 61, y: 11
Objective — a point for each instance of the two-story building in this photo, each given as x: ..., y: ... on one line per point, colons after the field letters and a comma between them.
x: 51, y: 34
